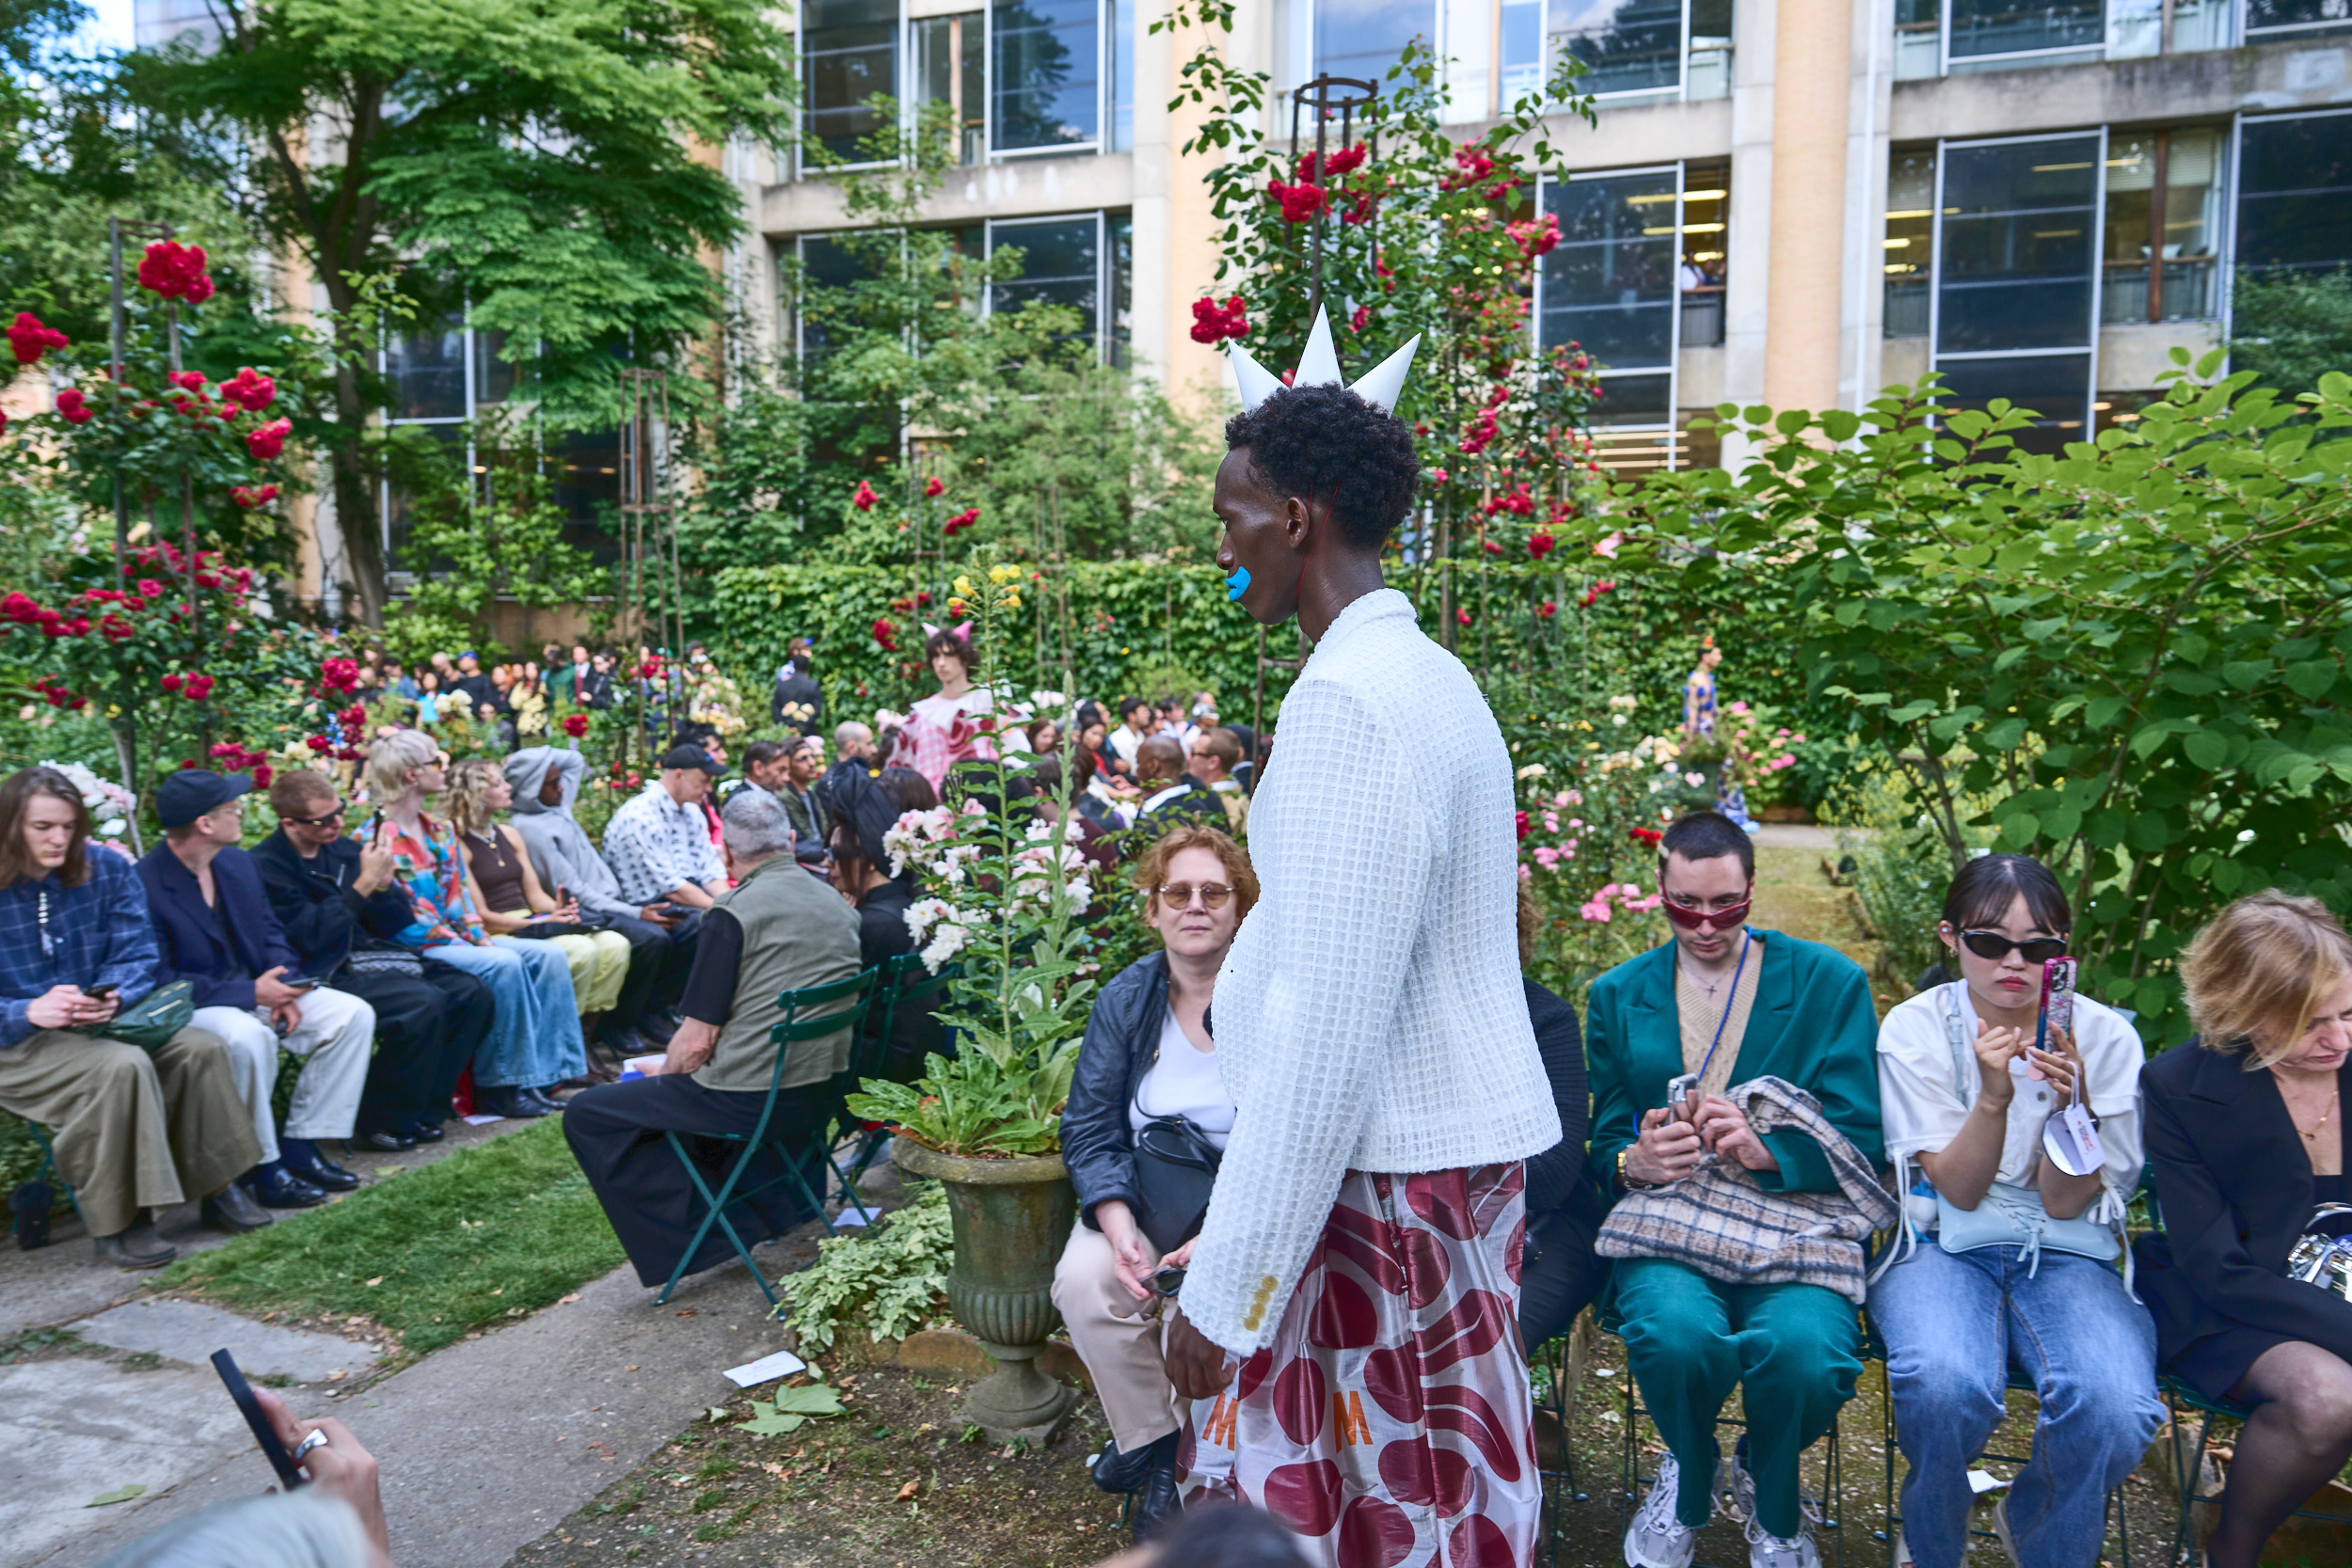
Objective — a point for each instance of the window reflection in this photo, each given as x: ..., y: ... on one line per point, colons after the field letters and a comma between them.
x: 951, y: 67
x: 826, y: 264
x: 2163, y: 223
x: 2056, y: 387
x: 1061, y: 265
x: 1909, y: 243
x: 1363, y: 38
x: 427, y: 373
x: 1048, y: 56
x: 2018, y: 230
x: 1610, y: 284
x: 2020, y: 26
x: 1627, y: 45
x: 2295, y: 205
x: 850, y: 48
x: 2314, y: 15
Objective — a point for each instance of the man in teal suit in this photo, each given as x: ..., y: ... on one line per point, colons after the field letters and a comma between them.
x: 1728, y: 1003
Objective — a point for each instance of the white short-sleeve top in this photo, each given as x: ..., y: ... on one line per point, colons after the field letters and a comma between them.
x: 1924, y: 1104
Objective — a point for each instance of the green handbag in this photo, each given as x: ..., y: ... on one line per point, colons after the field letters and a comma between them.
x: 159, y: 1015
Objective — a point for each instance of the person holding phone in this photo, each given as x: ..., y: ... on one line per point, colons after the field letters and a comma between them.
x: 1727, y: 1003
x: 133, y: 1130
x: 1147, y: 1052
x: 2007, y: 1265
x: 216, y: 930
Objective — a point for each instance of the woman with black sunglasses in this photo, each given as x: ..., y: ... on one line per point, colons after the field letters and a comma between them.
x: 2007, y: 1264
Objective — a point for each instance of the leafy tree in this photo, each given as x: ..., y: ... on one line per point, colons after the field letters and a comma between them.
x: 2292, y: 327
x: 2130, y: 659
x: 532, y: 163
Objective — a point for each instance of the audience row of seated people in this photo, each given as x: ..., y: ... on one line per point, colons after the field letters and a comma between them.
x: 1753, y: 1133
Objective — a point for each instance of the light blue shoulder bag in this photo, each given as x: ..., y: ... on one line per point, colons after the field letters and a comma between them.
x: 2011, y: 1215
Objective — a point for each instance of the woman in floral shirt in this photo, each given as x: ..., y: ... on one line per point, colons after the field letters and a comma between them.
x: 534, y: 1042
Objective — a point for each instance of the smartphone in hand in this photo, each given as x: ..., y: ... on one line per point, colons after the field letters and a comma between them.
x: 1682, y: 1098
x: 103, y: 993
x: 289, y: 1474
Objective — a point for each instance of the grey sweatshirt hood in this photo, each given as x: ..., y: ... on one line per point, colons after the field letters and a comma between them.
x: 527, y: 769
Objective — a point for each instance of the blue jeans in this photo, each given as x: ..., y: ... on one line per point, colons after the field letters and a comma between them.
x: 1954, y: 1327
x: 534, y: 1037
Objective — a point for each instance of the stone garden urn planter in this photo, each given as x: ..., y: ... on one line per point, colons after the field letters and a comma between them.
x: 1011, y: 1218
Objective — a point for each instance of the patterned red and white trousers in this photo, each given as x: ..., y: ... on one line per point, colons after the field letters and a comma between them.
x: 1390, y: 1422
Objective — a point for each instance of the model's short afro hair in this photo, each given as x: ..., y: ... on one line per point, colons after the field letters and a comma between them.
x: 1326, y: 444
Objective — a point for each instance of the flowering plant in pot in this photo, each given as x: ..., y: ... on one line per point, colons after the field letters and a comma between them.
x: 1006, y: 891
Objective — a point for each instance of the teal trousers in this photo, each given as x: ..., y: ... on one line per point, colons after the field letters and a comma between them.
x: 1690, y: 1340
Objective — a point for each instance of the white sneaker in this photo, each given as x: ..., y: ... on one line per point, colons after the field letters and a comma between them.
x: 1657, y: 1539
x: 1735, y: 1489
x: 1766, y: 1550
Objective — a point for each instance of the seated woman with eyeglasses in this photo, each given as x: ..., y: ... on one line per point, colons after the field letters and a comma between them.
x: 2246, y: 1135
x: 2008, y: 1262
x: 1147, y: 1054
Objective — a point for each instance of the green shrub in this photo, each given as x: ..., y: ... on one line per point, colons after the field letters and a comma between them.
x: 887, y: 1283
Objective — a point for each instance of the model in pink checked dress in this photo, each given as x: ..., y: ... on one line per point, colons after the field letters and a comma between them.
x: 955, y: 722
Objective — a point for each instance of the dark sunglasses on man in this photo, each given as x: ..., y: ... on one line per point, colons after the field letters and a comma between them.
x: 335, y: 815
x: 1691, y: 917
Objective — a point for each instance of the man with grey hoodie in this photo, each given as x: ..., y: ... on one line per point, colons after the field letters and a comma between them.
x: 546, y: 780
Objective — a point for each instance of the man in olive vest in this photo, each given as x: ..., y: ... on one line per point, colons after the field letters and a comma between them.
x: 778, y: 929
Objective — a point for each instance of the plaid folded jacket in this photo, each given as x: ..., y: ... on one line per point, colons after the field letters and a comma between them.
x: 1719, y: 1222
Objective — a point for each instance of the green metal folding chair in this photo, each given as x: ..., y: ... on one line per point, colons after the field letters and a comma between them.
x: 815, y: 1012
x: 903, y: 980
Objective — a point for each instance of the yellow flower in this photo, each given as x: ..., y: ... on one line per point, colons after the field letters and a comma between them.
x: 1003, y: 573
x: 964, y: 586
x: 1010, y: 601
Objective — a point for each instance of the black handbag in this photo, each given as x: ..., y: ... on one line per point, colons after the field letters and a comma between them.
x: 1175, y: 1171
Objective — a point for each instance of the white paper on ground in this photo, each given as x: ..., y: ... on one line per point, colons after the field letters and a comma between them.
x: 482, y: 1120
x: 766, y: 1370
x: 848, y: 1220
x: 1981, y: 1481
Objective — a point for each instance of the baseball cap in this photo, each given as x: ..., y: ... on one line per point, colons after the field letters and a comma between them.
x: 690, y: 756
x: 188, y: 794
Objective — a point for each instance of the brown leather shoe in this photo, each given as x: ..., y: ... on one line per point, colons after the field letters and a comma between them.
x: 138, y: 1247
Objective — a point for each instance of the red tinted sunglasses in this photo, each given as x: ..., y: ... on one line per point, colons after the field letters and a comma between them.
x: 1722, y: 920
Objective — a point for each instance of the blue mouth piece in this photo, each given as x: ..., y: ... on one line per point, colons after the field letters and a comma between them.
x: 1238, y: 585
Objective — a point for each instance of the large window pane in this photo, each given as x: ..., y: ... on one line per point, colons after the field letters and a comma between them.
x: 1608, y: 285
x: 1122, y: 137
x: 2015, y: 27
x: 1634, y: 400
x: 2161, y: 264
x: 1120, y: 229
x: 1363, y: 38
x: 851, y: 49
x: 427, y: 373
x: 1909, y: 243
x: 1627, y: 45
x: 2056, y: 387
x: 2309, y: 15
x: 951, y: 67
x: 2020, y: 223
x: 826, y: 267
x: 1524, y: 58
x: 1049, y: 55
x: 2295, y: 207
x: 1061, y: 265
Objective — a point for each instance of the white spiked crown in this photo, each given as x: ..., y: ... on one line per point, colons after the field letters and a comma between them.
x: 1320, y: 367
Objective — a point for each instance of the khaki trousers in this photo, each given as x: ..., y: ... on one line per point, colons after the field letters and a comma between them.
x: 1118, y: 1338
x: 132, y: 1131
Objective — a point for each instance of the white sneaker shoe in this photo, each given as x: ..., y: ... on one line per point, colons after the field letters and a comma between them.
x: 1735, y: 1489
x: 1657, y: 1539
x: 1766, y: 1550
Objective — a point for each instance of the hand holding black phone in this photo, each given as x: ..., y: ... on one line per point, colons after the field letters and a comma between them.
x: 289, y: 1474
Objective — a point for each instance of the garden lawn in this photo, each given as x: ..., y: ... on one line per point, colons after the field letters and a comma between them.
x: 489, y: 1233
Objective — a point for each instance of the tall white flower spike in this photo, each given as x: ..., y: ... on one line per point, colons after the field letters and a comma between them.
x: 1319, y: 366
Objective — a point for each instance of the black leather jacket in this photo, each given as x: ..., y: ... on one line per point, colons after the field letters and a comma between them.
x: 1122, y: 1040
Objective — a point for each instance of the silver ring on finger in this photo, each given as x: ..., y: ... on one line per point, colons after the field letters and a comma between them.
x: 316, y: 1440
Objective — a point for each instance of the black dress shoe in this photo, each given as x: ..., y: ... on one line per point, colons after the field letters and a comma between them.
x: 381, y: 1142
x: 520, y: 1104
x: 282, y: 1188
x: 1119, y: 1473
x: 426, y: 1132
x: 323, y: 1173
x: 1156, y: 1503
x: 548, y: 1104
x: 233, y: 1209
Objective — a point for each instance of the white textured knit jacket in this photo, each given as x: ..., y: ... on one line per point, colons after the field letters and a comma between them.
x: 1370, y: 1016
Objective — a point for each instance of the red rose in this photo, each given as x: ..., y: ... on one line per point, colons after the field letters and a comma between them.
x: 1361, y: 319
x: 1521, y: 823
x: 864, y: 498
x: 1463, y: 616
x: 574, y: 725
x: 340, y: 674
x: 960, y: 521
x: 29, y: 340
x: 266, y: 441
x: 188, y: 381
x: 176, y: 271
x: 253, y: 497
x: 250, y: 389
x: 196, y: 688
x: 931, y: 486
x: 1539, y: 543
x: 317, y: 743
x: 73, y: 407
x: 1212, y: 322
x: 262, y: 775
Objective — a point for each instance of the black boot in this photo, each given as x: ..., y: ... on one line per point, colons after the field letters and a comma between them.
x: 1156, y: 1504
x: 1121, y: 1473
